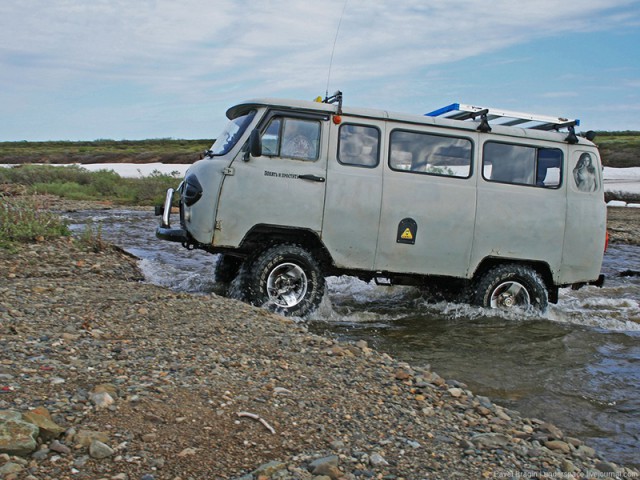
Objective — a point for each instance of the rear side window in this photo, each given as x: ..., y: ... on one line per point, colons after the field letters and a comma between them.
x: 431, y: 154
x: 292, y: 137
x: 359, y: 145
x: 522, y: 164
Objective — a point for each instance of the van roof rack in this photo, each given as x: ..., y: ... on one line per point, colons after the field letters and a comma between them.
x: 459, y: 111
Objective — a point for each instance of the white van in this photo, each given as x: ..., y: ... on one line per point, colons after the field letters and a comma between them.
x: 500, y: 206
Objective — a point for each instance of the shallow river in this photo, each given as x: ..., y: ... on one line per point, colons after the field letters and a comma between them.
x: 578, y: 366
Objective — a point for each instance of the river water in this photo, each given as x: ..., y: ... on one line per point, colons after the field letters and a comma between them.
x: 577, y: 366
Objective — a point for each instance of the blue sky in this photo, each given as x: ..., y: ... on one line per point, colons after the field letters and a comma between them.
x: 117, y: 69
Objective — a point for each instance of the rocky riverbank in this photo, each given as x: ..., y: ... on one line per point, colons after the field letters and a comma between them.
x: 126, y: 380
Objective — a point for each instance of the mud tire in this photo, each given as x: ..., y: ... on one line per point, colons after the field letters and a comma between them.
x: 284, y: 278
x: 511, y: 286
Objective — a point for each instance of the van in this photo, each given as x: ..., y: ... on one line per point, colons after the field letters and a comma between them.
x: 498, y: 208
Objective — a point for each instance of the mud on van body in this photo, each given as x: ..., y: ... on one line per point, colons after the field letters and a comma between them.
x: 295, y: 191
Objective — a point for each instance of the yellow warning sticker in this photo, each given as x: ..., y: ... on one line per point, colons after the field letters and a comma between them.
x: 407, y: 235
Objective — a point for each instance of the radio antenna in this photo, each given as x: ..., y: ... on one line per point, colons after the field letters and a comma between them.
x: 344, y: 7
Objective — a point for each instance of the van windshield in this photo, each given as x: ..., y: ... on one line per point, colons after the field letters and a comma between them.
x: 231, y: 133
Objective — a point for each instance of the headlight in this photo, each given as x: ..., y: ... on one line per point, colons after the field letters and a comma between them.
x: 191, y: 190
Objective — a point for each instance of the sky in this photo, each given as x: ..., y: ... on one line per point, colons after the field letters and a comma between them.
x: 121, y: 69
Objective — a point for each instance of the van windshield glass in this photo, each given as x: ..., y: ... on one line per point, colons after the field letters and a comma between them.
x: 231, y: 133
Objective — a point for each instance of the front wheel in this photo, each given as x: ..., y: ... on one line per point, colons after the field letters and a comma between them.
x: 511, y: 286
x: 284, y: 278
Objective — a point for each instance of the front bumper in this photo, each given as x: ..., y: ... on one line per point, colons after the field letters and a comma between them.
x: 165, y: 231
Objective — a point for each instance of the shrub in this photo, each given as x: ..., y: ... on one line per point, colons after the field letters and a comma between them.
x: 23, y: 219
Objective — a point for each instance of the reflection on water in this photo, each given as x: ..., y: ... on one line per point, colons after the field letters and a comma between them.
x: 577, y: 366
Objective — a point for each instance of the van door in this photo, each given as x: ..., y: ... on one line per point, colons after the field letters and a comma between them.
x: 586, y: 218
x: 521, y: 202
x: 354, y: 192
x: 428, y: 205
x: 285, y: 186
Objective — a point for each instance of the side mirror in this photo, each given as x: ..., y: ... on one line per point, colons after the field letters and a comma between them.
x: 255, y: 143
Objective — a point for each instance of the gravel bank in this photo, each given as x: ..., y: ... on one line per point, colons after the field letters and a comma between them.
x: 132, y: 381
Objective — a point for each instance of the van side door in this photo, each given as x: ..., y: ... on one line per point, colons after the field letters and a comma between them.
x: 429, y: 201
x: 354, y: 192
x: 521, y: 201
x: 586, y: 218
x: 284, y: 186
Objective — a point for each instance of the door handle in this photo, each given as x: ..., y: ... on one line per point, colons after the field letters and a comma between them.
x: 313, y: 178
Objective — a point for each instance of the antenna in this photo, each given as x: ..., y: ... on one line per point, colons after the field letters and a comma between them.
x: 344, y: 7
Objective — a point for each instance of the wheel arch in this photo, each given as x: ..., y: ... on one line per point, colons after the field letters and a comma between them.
x: 541, y: 268
x: 262, y: 236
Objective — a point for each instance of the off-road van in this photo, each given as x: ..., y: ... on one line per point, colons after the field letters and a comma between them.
x: 504, y: 206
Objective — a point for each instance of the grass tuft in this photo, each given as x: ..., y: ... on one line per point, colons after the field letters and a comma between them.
x: 24, y: 219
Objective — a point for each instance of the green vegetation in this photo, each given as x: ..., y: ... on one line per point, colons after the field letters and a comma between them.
x: 619, y: 149
x: 24, y: 219
x: 164, y: 150
x: 77, y: 183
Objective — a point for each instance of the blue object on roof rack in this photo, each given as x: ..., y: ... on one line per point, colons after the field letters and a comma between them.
x: 459, y: 111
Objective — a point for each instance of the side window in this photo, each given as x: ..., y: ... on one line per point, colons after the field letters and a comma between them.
x: 585, y: 177
x: 359, y: 145
x: 292, y: 137
x: 522, y: 165
x: 431, y: 154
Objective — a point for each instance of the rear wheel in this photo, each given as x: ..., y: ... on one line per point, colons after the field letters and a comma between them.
x: 284, y: 278
x: 511, y: 286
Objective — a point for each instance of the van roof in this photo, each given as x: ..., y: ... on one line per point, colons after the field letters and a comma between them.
x: 459, y: 124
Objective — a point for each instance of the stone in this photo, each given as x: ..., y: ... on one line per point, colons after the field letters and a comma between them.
x: 84, y: 438
x: 9, y: 468
x: 558, y: 445
x: 606, y: 467
x: 377, y: 460
x: 102, y: 399
x: 554, y: 432
x: 269, y: 469
x: 56, y: 446
x: 331, y: 460
x: 42, y: 419
x: 455, y: 392
x: 99, y: 450
x: 584, y: 451
x: 567, y: 466
x: 109, y: 388
x: 490, y: 441
x: 17, y: 437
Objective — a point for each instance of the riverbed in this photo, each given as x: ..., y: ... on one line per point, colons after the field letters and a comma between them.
x: 578, y: 365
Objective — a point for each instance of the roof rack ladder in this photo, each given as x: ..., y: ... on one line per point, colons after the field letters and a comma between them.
x: 459, y: 111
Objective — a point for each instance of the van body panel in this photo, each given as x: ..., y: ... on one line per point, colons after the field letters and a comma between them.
x: 200, y: 217
x: 519, y: 223
x: 353, y: 201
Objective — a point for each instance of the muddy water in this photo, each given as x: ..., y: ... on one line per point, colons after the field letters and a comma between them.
x: 577, y: 366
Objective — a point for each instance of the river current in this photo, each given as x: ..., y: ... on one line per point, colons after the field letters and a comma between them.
x: 577, y: 366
